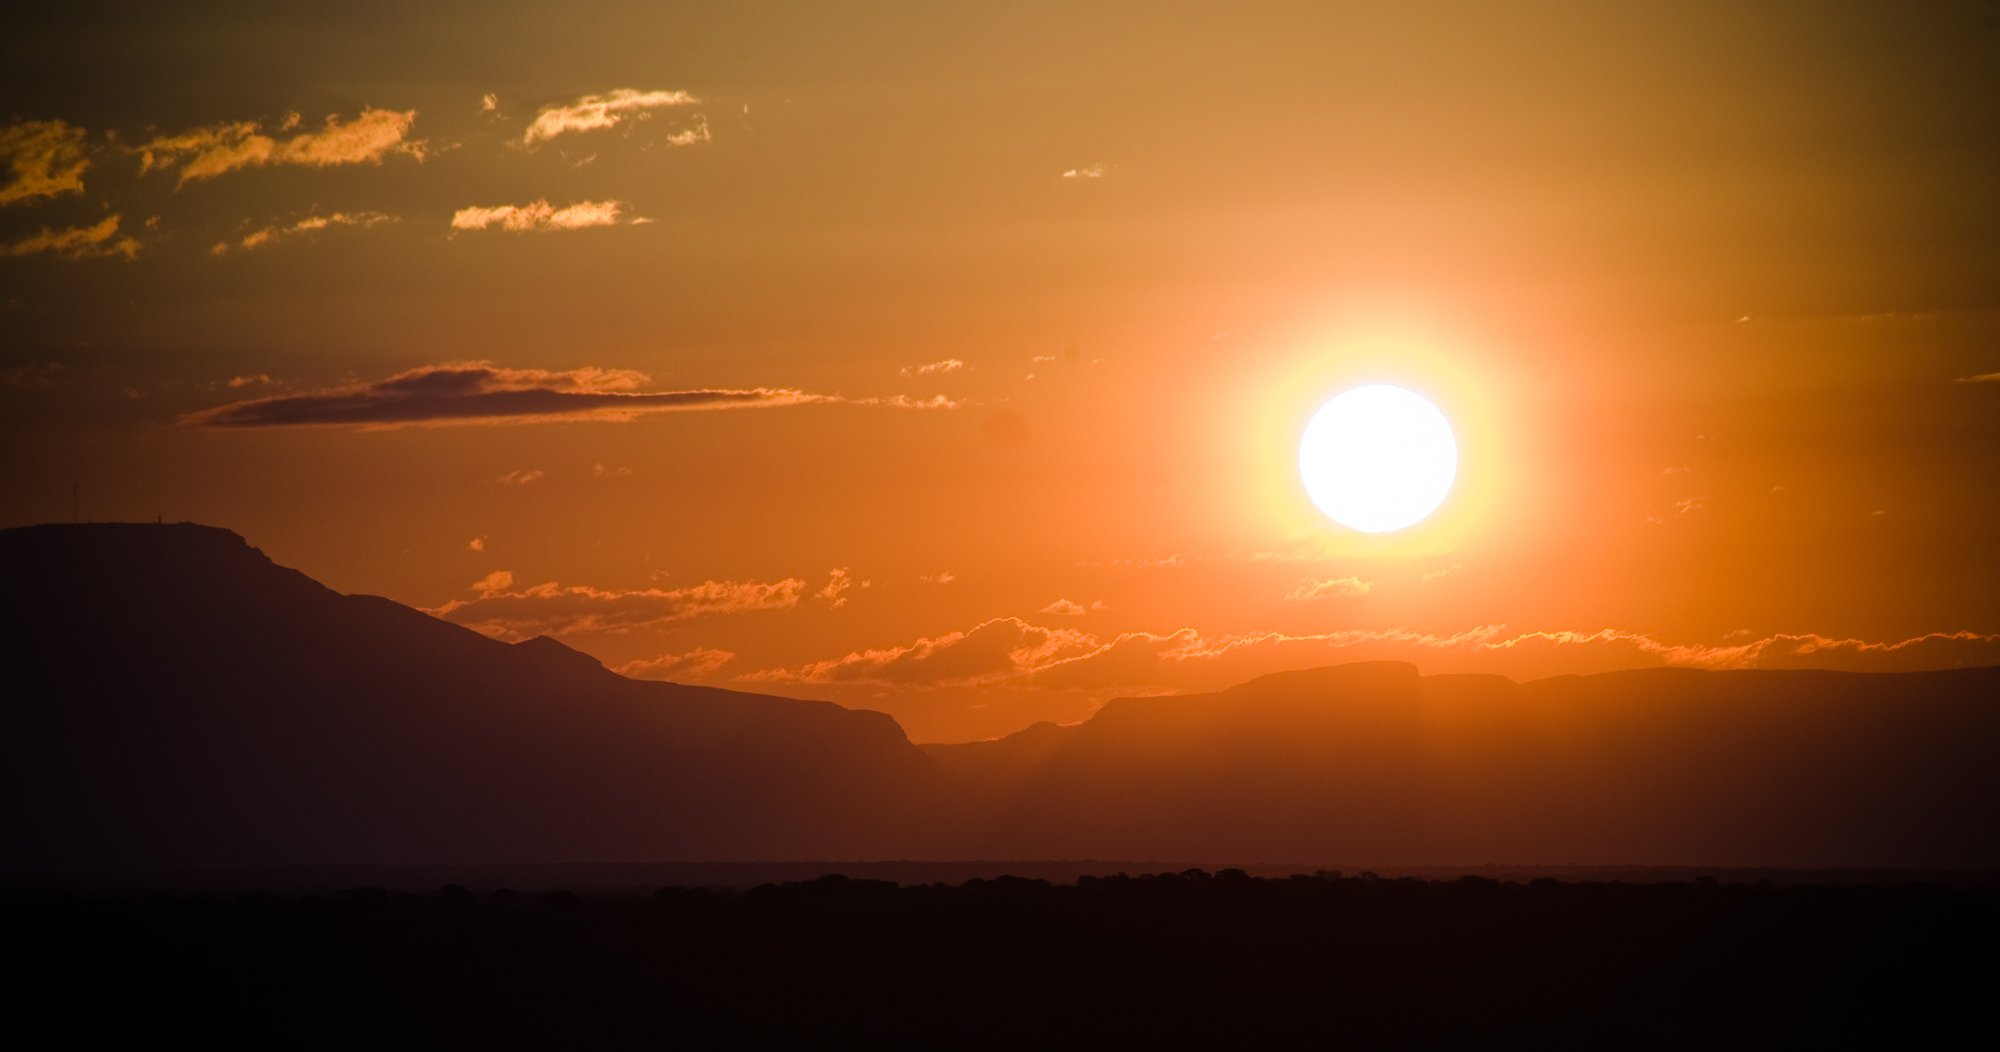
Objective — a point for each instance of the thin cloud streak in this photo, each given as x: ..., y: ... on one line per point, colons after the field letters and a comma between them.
x: 81, y: 242
x: 551, y: 609
x: 539, y: 215
x: 204, y: 153
x: 699, y: 663
x: 479, y: 392
x: 268, y: 235
x: 1013, y: 652
x: 597, y: 112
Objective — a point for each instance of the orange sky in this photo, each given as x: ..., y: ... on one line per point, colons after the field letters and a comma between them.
x: 950, y: 359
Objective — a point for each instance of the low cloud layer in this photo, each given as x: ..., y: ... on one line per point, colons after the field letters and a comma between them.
x: 480, y: 392
x: 539, y: 215
x: 204, y: 153
x: 1002, y: 649
x: 598, y: 112
x: 550, y: 609
x: 97, y: 241
x: 42, y: 159
x: 1014, y: 652
x: 696, y: 664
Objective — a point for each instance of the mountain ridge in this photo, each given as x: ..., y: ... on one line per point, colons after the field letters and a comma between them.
x: 182, y: 700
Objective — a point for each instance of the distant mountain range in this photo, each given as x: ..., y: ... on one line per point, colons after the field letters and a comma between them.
x: 176, y: 700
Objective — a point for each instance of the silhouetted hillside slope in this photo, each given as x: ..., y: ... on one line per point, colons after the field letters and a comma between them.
x: 177, y: 699
x: 1371, y: 763
x: 174, y: 699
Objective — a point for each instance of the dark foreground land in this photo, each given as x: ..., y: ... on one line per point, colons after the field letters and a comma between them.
x: 1174, y: 960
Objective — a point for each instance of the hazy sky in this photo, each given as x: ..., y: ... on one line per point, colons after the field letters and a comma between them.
x: 950, y: 359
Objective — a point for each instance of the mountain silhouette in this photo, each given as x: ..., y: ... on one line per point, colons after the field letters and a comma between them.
x: 177, y: 700
x: 1372, y: 762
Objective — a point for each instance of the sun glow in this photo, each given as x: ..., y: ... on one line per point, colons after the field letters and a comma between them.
x: 1378, y: 458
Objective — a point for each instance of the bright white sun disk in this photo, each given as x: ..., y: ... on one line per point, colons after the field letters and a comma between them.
x: 1378, y: 458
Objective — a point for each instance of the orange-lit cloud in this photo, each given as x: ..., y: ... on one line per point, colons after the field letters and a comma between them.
x: 836, y: 588
x: 204, y: 153
x: 1065, y: 608
x: 1981, y: 378
x: 1331, y: 588
x: 479, y: 392
x: 905, y: 402
x: 694, y: 133
x: 1092, y: 171
x: 265, y: 236
x: 699, y: 663
x: 552, y: 609
x: 1002, y: 649
x: 596, y: 112
x: 539, y: 215
x: 43, y: 159
x: 948, y: 365
x: 1012, y: 652
x: 80, y: 242
x: 494, y: 583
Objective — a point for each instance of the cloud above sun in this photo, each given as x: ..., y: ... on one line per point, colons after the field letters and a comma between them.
x: 477, y: 392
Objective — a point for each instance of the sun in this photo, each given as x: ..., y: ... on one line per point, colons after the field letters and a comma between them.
x: 1378, y: 458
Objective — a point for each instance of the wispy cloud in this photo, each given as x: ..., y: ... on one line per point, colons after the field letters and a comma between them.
x: 1980, y: 378
x: 521, y: 477
x: 265, y: 236
x: 948, y: 365
x: 1092, y: 171
x: 204, y: 153
x: 1065, y: 608
x: 1000, y: 649
x: 1331, y: 588
x: 79, y: 242
x: 905, y: 402
x: 480, y: 392
x: 597, y: 112
x: 551, y: 609
x: 540, y: 215
x: 694, y: 133
x: 837, y: 584
x: 1010, y: 651
x: 43, y: 159
x: 699, y: 663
